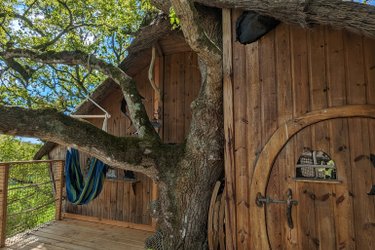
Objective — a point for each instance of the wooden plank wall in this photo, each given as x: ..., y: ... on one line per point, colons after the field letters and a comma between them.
x: 181, y: 86
x: 125, y: 201
x: 287, y: 73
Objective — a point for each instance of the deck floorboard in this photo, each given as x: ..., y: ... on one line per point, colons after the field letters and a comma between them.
x: 79, y: 235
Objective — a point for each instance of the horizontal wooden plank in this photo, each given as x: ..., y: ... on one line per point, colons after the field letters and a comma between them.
x: 110, y: 222
x: 28, y: 162
x: 318, y: 181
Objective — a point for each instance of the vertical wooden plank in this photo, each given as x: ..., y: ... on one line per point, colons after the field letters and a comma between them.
x: 269, y: 119
x: 369, y: 51
x: 107, y: 200
x: 126, y: 203
x: 138, y: 194
x: 59, y: 189
x: 254, y: 135
x: 112, y: 199
x: 168, y: 101
x: 4, y: 174
x: 119, y: 199
x: 146, y: 201
x: 240, y: 145
x: 190, y: 85
x: 180, y: 97
x: 286, y: 159
x: 305, y: 223
x: 320, y: 136
x: 359, y: 142
x: 132, y: 202
x: 343, y: 205
x: 230, y: 208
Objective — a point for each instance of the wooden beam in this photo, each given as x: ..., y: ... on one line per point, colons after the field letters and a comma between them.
x: 59, y: 189
x: 212, y: 235
x: 125, y: 224
x: 4, y: 175
x: 28, y: 162
x: 273, y: 147
x: 230, y: 173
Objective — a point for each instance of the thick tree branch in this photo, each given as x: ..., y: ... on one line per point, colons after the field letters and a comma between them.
x: 355, y: 17
x: 123, y: 152
x: 162, y: 5
x: 137, y: 110
x: 198, y: 40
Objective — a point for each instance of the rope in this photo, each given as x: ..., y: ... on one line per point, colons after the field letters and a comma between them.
x: 106, y: 117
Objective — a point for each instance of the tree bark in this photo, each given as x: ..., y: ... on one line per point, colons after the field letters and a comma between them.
x: 129, y: 153
x: 355, y: 17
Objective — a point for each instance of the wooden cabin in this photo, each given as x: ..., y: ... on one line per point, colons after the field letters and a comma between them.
x: 299, y: 128
x: 123, y: 201
x: 299, y: 109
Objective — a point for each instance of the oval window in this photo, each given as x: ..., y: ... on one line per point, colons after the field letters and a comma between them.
x: 317, y: 165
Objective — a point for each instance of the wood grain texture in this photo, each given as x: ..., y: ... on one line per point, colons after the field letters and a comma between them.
x: 240, y: 141
x: 80, y: 235
x: 179, y: 79
x: 293, y: 73
x: 59, y: 183
x: 229, y: 166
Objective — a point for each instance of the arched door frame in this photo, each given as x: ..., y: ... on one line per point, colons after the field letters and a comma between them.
x: 271, y: 150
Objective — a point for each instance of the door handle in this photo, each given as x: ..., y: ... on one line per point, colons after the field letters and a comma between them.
x: 266, y: 200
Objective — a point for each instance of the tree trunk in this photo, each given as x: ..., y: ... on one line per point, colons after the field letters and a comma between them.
x: 185, y: 190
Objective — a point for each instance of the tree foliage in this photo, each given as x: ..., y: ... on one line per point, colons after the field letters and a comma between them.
x: 29, y: 186
x: 103, y: 28
x: 13, y: 149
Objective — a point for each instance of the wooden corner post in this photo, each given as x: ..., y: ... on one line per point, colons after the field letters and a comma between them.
x: 229, y: 166
x: 4, y: 174
x: 59, y: 189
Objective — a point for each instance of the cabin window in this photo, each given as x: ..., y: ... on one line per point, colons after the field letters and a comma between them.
x: 315, y: 165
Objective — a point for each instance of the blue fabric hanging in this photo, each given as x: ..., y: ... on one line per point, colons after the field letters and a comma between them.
x: 81, y: 190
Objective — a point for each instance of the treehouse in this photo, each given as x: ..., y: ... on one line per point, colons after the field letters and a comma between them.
x: 300, y: 132
x: 162, y: 55
x: 299, y: 109
x: 126, y: 196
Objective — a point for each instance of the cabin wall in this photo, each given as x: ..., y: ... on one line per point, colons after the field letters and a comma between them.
x: 289, y: 72
x: 179, y: 78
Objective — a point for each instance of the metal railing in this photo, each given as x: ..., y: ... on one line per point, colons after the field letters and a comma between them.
x: 30, y: 195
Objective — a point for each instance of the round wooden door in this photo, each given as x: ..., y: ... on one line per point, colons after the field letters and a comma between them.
x: 335, y: 209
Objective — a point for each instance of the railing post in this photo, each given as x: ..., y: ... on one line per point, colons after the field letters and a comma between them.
x: 4, y: 174
x: 59, y: 189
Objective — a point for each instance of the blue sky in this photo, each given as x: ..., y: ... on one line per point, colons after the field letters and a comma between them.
x: 28, y: 139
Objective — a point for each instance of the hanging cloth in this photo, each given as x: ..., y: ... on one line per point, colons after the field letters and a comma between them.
x: 81, y: 190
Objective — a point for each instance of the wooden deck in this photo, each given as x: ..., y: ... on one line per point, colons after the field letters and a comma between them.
x: 79, y: 235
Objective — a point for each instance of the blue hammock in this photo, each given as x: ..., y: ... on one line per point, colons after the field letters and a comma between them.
x: 81, y: 191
